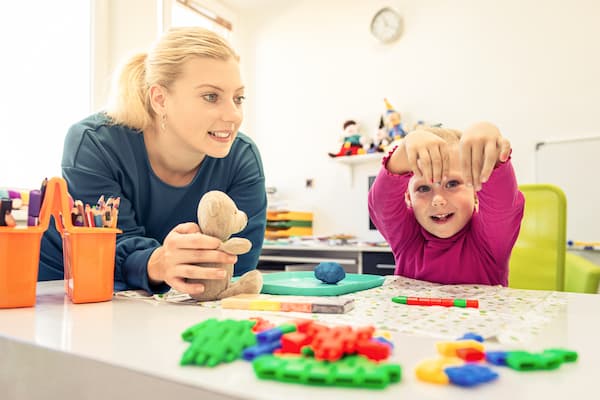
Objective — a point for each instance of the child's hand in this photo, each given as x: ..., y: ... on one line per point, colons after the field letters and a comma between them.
x: 481, y: 148
x: 427, y: 155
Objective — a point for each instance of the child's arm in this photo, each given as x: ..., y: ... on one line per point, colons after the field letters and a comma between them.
x: 423, y: 153
x: 482, y: 147
x: 501, y: 206
x: 485, y: 157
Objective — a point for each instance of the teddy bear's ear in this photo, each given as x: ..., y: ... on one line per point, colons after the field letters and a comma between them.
x: 241, y: 221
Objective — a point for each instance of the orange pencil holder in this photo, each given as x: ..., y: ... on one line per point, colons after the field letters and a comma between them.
x: 89, y: 263
x: 88, y: 255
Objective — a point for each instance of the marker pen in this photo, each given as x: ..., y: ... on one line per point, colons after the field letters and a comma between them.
x: 428, y: 301
x: 6, y: 218
x: 35, y: 205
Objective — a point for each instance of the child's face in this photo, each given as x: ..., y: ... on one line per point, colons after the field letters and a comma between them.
x: 442, y: 209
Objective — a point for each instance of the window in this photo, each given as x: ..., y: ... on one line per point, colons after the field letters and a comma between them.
x: 196, y: 13
x: 45, y: 73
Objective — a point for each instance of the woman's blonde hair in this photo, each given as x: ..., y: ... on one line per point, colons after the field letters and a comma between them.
x: 129, y: 103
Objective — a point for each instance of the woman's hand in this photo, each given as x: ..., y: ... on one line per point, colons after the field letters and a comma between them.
x: 174, y: 262
x: 482, y: 146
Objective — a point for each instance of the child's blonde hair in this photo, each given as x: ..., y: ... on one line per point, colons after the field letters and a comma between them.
x: 451, y: 136
x: 129, y: 102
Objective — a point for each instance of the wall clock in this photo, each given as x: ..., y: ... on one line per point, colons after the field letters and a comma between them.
x: 387, y: 25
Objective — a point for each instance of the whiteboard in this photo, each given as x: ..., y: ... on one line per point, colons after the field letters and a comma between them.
x: 574, y: 166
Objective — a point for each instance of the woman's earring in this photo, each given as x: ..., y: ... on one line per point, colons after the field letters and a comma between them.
x: 163, y: 122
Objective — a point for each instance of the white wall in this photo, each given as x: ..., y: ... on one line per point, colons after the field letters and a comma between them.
x: 121, y: 29
x: 527, y: 65
x: 45, y: 72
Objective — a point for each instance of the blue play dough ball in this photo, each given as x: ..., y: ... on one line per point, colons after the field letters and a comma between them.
x: 330, y: 272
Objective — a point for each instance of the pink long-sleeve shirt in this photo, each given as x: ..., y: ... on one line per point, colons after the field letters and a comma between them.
x: 478, y: 253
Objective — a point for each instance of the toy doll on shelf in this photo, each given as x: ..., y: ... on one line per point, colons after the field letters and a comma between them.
x: 352, y: 141
x: 381, y: 139
x: 393, y: 122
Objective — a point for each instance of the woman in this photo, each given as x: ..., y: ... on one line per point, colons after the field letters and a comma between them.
x: 169, y: 135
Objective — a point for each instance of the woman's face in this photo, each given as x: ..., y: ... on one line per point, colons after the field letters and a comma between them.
x: 204, y: 106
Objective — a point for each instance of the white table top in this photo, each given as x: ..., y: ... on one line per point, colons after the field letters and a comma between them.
x: 129, y: 348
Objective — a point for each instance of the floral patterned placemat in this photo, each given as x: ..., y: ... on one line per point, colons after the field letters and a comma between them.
x: 508, y: 315
x: 511, y: 316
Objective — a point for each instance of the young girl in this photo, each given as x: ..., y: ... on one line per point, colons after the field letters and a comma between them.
x: 449, y: 206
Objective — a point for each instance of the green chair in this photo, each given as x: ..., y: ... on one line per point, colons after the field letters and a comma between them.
x: 581, y: 275
x: 538, y: 258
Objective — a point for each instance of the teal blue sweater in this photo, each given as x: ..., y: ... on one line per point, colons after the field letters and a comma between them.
x: 111, y: 160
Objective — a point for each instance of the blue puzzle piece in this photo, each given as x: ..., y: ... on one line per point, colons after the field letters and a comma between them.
x: 496, y: 357
x: 270, y: 335
x: 250, y: 353
x: 383, y: 340
x: 471, y: 336
x: 470, y: 375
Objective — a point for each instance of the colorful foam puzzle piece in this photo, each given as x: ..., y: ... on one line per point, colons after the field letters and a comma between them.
x: 333, y: 343
x: 472, y: 336
x: 275, y: 333
x: 521, y: 361
x: 432, y: 370
x: 214, y: 342
x: 261, y: 324
x: 469, y: 375
x: 470, y: 355
x: 385, y: 341
x: 565, y: 354
x: 448, y: 349
x: 496, y: 357
x: 250, y: 353
x: 373, y: 349
x: 525, y: 361
x: 352, y: 371
x: 189, y: 334
x: 294, y: 341
x: 548, y: 360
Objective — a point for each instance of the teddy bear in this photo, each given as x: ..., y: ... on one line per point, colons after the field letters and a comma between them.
x: 218, y: 216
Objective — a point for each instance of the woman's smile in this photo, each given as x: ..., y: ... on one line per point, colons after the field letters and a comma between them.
x: 221, y: 136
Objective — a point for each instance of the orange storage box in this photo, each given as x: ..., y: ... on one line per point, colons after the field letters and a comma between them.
x: 89, y: 263
x: 286, y: 215
x: 19, y: 259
